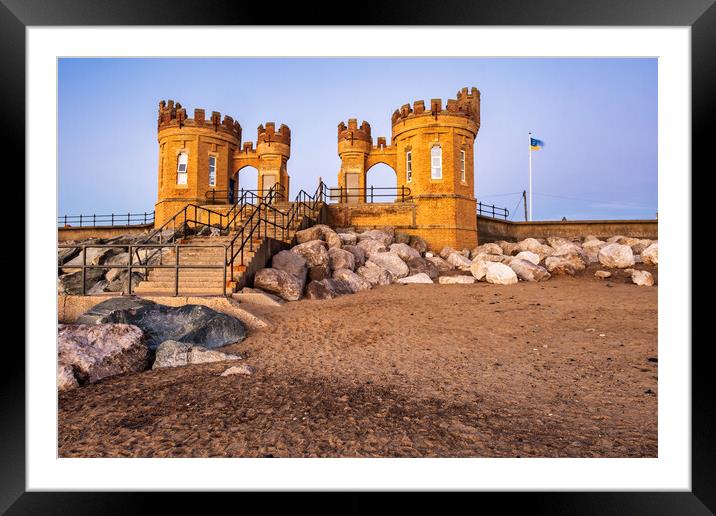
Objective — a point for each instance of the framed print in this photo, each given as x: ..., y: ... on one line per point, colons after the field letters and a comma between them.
x: 432, y: 265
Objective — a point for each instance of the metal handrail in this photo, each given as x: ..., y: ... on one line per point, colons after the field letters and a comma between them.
x: 112, y: 219
x: 343, y: 193
x: 490, y: 210
x: 133, y: 249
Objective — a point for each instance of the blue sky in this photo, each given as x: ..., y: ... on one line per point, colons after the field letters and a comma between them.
x: 597, y: 117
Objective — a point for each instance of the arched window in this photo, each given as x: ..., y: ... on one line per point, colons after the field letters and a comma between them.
x: 212, y: 170
x: 409, y: 166
x: 462, y: 165
x: 436, y: 162
x: 182, y: 161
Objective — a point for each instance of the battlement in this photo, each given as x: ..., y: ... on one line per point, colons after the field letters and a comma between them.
x: 269, y: 134
x: 466, y: 104
x: 353, y: 132
x: 173, y: 115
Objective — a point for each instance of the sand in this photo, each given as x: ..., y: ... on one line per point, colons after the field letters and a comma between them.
x: 563, y: 368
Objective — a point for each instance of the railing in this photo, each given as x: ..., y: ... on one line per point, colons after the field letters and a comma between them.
x: 277, y: 191
x: 490, y: 210
x: 343, y: 194
x: 113, y: 219
x: 132, y: 250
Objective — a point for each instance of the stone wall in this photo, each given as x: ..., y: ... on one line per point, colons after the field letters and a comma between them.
x: 491, y: 230
x: 81, y: 233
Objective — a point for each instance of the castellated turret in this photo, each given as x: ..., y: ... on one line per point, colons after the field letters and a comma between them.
x: 199, y: 158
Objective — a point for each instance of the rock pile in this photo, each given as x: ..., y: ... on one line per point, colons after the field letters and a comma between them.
x: 328, y: 263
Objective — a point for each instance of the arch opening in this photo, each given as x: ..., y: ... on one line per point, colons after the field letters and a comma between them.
x: 246, y: 178
x: 381, y: 183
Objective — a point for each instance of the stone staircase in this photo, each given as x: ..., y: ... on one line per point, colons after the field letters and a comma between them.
x: 206, y: 281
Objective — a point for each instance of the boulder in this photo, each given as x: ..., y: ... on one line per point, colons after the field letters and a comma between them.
x: 446, y: 251
x: 280, y: 283
x: 491, y: 257
x: 120, y: 282
x: 357, y: 252
x: 535, y: 246
x: 313, y: 251
x: 404, y: 251
x: 569, y: 263
x: 341, y: 259
x: 120, y: 259
x: 416, y: 278
x: 89, y: 353
x: 650, y: 255
x: 348, y: 238
x: 355, y: 282
x: 66, y: 254
x: 291, y: 263
x: 417, y: 265
x: 392, y: 263
x: 449, y: 280
x: 616, y: 256
x: 375, y: 274
x: 508, y: 248
x: 556, y: 242
x: 378, y: 235
x: 459, y: 261
x: 99, y: 287
x: 527, y: 270
x: 566, y: 248
x: 639, y: 246
x: 489, y: 248
x: 441, y: 264
x: 499, y: 274
x: 318, y: 273
x: 326, y: 289
x: 478, y: 269
x: 590, y: 249
x: 197, y: 324
x: 529, y: 256
x: 95, y: 256
x: 602, y: 274
x: 319, y: 232
x: 401, y: 238
x: 642, y: 278
x: 71, y: 284
x: 171, y: 353
x: 371, y: 247
x: 418, y: 243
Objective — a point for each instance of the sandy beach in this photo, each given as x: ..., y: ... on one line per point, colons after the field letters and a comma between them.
x: 563, y: 368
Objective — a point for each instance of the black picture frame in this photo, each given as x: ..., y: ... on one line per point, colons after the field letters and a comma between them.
x: 700, y: 15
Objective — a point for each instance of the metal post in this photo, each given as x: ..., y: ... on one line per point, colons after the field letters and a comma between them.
x: 129, y: 272
x: 84, y: 270
x: 127, y: 219
x: 80, y: 220
x: 524, y: 199
x: 529, y: 143
x: 94, y: 219
x: 176, y: 265
x: 371, y: 194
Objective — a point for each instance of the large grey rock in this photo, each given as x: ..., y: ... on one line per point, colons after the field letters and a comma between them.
x: 291, y: 263
x: 401, y: 238
x: 419, y: 244
x: 529, y: 256
x: 314, y: 252
x: 64, y: 255
x: 197, y: 324
x: 319, y: 232
x: 478, y: 269
x: 441, y: 264
x: 451, y: 280
x: 392, y: 263
x: 341, y: 259
x: 89, y: 353
x: 642, y: 278
x: 318, y: 273
x: 371, y: 247
x: 590, y: 249
x: 348, y: 238
x: 527, y: 270
x: 489, y: 248
x: 569, y: 264
x: 95, y: 256
x: 459, y: 261
x: 404, y: 251
x: 357, y: 252
x: 120, y: 282
x: 171, y: 353
x: 499, y: 274
x: 416, y: 278
x: 508, y: 248
x: 650, y: 255
x: 327, y: 289
x: 280, y: 283
x: 535, y: 246
x: 641, y: 245
x: 381, y: 236
x: 418, y: 265
x: 71, y: 284
x: 375, y: 274
x: 446, y: 251
x: 616, y: 256
x: 354, y: 281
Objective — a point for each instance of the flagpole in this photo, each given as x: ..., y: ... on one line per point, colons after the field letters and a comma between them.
x: 529, y: 144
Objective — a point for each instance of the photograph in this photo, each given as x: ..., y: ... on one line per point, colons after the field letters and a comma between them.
x: 358, y: 257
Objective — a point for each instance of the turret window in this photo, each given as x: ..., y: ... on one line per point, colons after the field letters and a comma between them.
x: 462, y: 166
x: 409, y: 166
x: 212, y: 170
x: 182, y: 161
x: 436, y: 162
